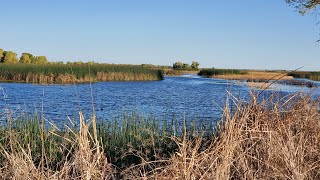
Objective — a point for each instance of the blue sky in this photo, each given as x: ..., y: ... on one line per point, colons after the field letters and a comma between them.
x: 251, y: 34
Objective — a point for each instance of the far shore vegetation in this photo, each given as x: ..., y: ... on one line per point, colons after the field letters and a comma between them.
x: 180, y: 68
x: 313, y: 75
x: 37, y: 69
x: 258, y: 75
x: 76, y: 73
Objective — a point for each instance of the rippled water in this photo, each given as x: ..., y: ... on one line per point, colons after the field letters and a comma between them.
x: 187, y: 96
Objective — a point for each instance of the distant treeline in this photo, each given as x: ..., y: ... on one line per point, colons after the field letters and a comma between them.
x: 213, y: 72
x: 184, y: 66
x: 10, y: 57
x: 313, y: 75
x: 37, y: 69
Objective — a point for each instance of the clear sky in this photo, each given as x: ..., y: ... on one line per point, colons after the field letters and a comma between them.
x: 251, y: 34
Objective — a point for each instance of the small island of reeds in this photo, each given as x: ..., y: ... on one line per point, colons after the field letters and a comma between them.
x: 75, y: 73
x: 249, y: 75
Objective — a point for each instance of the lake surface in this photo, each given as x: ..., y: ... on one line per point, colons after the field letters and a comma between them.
x: 189, y: 96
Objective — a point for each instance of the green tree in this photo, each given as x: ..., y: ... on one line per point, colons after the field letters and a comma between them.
x: 195, y: 65
x: 177, y: 65
x: 60, y: 62
x: 78, y: 63
x: 185, y: 66
x: 91, y: 62
x: 26, y: 58
x: 40, y: 60
x: 9, y: 57
x: 1, y: 54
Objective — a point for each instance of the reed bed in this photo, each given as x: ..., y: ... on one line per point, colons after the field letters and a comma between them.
x: 271, y: 138
x: 215, y: 72
x: 171, y: 72
x: 126, y: 141
x: 248, y: 75
x: 313, y: 75
x: 70, y: 73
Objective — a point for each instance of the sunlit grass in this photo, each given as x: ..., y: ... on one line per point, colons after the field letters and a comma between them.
x: 70, y: 73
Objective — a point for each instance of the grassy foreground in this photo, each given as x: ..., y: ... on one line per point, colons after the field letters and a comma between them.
x: 269, y: 139
x: 75, y: 73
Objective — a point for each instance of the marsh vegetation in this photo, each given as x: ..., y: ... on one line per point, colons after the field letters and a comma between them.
x: 313, y: 75
x: 75, y: 73
x: 263, y: 139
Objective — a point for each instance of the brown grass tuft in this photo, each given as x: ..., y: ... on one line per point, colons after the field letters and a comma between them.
x: 258, y: 141
x: 86, y: 162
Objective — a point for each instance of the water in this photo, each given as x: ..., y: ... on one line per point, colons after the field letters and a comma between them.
x: 188, y: 96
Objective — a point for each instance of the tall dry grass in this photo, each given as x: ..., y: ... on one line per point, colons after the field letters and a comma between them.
x: 261, y: 140
x: 86, y: 161
x: 275, y: 138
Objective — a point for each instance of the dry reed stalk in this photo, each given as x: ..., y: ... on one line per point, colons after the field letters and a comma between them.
x: 258, y: 141
x: 87, y: 162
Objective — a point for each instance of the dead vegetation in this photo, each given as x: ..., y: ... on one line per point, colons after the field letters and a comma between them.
x: 259, y: 141
x: 255, y: 76
x: 275, y: 138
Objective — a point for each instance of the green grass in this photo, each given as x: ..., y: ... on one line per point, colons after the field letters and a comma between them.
x: 123, y: 139
x: 213, y: 72
x: 62, y: 73
x: 313, y: 75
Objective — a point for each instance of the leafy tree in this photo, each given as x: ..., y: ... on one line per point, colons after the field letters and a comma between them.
x: 178, y: 65
x: 40, y: 60
x: 26, y: 58
x: 9, y: 57
x: 185, y: 66
x: 304, y: 5
x: 195, y: 65
x: 78, y: 63
x: 1, y: 54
